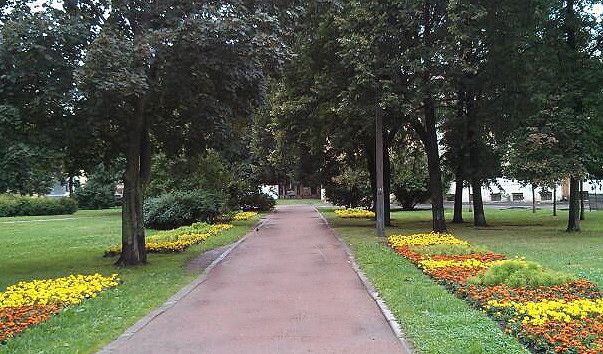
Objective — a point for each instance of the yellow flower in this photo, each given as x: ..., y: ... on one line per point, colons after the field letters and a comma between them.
x: 354, y: 213
x: 466, y: 263
x: 542, y: 312
x: 176, y: 240
x: 425, y: 239
x: 65, y: 291
x: 244, y: 215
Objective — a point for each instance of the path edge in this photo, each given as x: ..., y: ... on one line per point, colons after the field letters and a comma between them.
x: 169, y: 303
x: 370, y: 288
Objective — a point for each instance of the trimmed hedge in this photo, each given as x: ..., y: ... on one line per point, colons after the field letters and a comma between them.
x: 172, y: 210
x: 11, y: 205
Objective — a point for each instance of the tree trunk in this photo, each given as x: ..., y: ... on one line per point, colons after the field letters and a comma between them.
x: 573, y: 223
x: 137, y: 172
x: 433, y: 165
x: 555, y: 200
x: 70, y: 185
x: 581, y: 199
x: 479, y: 217
x: 533, y: 199
x: 369, y: 151
x: 386, y: 184
x: 458, y: 201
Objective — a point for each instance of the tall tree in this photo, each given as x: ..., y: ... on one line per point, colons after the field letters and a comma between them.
x: 564, y: 86
x: 184, y: 74
x: 39, y: 128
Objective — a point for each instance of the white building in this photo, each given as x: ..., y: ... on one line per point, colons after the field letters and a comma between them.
x: 506, y: 190
x: 61, y: 188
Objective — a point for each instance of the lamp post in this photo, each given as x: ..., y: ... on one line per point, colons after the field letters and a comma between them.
x: 380, y: 202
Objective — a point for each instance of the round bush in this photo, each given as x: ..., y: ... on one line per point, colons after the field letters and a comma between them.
x: 519, y: 273
x: 256, y: 201
x: 172, y: 210
x: 96, y: 196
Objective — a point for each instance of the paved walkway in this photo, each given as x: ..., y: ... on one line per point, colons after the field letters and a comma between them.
x: 286, y: 289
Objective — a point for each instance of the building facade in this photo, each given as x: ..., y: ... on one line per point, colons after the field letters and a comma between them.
x: 507, y: 190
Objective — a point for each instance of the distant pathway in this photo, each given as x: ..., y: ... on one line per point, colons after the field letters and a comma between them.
x: 287, y: 289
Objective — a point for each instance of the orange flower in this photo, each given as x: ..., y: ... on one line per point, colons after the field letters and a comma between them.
x: 16, y: 319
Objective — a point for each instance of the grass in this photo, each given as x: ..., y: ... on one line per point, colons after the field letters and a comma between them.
x: 434, y: 320
x: 46, y: 249
x: 295, y: 201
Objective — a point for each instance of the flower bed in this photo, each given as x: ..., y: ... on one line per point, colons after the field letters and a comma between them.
x: 177, y: 240
x: 354, y: 213
x: 28, y: 303
x: 244, y: 215
x: 564, y: 318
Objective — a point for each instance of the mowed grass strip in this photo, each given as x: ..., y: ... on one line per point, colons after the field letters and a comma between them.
x: 48, y: 249
x: 435, y: 320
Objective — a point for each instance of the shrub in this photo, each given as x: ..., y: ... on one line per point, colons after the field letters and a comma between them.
x: 99, y: 190
x: 351, y: 189
x: 519, y: 273
x: 447, y: 250
x: 172, y: 210
x: 96, y: 196
x: 411, y: 191
x: 31, y: 206
x: 255, y: 200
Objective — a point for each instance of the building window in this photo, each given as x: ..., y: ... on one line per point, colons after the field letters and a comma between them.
x: 546, y: 195
x: 517, y: 197
x: 450, y: 197
x: 495, y: 197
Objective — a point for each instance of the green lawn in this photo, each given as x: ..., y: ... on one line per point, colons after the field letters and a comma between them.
x: 435, y: 320
x: 294, y: 201
x: 47, y: 247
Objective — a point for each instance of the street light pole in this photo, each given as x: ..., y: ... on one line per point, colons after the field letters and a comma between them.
x: 380, y: 202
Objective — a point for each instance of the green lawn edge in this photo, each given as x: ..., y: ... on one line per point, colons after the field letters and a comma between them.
x: 88, y: 327
x: 433, y: 320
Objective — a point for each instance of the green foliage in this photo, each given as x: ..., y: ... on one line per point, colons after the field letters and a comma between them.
x: 172, y: 210
x: 350, y: 189
x: 40, y: 132
x: 519, y: 273
x: 27, y: 168
x: 95, y: 196
x: 410, y: 180
x: 254, y: 200
x: 448, y: 250
x: 11, y: 205
x: 174, y: 234
x: 99, y: 190
x: 210, y: 171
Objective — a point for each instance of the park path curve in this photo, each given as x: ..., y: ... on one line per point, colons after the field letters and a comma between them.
x: 288, y: 288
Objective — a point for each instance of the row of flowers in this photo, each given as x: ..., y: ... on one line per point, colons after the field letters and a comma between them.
x: 354, y: 213
x: 244, y: 215
x: 558, y: 318
x: 177, y: 240
x: 25, y: 304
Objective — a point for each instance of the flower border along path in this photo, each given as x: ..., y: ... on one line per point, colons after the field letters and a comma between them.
x: 177, y: 240
x: 354, y: 213
x: 28, y: 303
x: 564, y: 318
